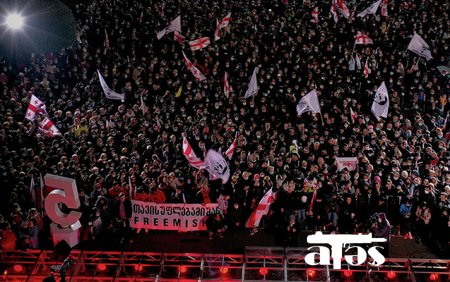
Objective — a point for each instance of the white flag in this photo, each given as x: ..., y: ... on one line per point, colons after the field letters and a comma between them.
x: 229, y: 152
x: 35, y: 107
x: 361, y: 38
x: 220, y: 25
x: 351, y: 64
x: 217, y: 166
x: 199, y: 43
x: 309, y: 103
x: 190, y: 155
x: 420, y: 47
x: 371, y: 10
x: 174, y: 25
x: 195, y: 71
x: 349, y: 163
x: 47, y: 128
x: 380, y: 106
x: 226, y: 85
x: 253, y: 85
x: 384, y: 8
x: 110, y: 94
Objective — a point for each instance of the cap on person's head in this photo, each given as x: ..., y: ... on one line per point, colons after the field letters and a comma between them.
x: 121, y: 194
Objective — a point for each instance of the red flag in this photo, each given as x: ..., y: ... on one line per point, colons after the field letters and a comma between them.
x: 229, y: 152
x: 261, y: 210
x: 226, y: 85
x: 366, y: 69
x: 198, y: 75
x: 222, y: 24
x: 315, y: 15
x: 199, y: 43
x: 35, y: 107
x: 190, y: 155
x: 353, y: 115
x: 363, y: 39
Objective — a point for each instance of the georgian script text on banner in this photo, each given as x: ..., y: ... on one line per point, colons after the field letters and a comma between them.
x: 180, y: 217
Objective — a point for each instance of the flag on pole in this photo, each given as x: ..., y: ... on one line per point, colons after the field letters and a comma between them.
x: 174, y: 25
x: 195, y: 71
x: 261, y: 210
x: 217, y: 166
x: 348, y: 163
x: 229, y: 152
x: 384, y: 8
x: 199, y: 43
x: 226, y: 86
x: 42, y: 187
x: 353, y: 115
x: 366, y: 69
x: 420, y: 47
x: 106, y: 42
x: 363, y: 39
x: 180, y: 90
x: 371, y: 10
x: 47, y: 128
x: 35, y: 107
x: 380, y: 106
x: 358, y: 62
x: 334, y: 11
x: 309, y: 103
x: 130, y: 188
x: 109, y: 93
x: 189, y: 153
x: 142, y: 106
x: 315, y: 15
x: 351, y: 64
x: 253, y: 85
x: 33, y: 191
x: 222, y: 24
x: 342, y: 7
x: 178, y: 37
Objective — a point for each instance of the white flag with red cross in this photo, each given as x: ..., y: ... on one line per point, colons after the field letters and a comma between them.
x: 226, y: 86
x: 47, y: 128
x: 315, y: 15
x: 195, y: 71
x: 229, y: 152
x: 222, y: 24
x: 199, y: 43
x: 35, y: 107
x: 348, y: 163
x: 384, y: 8
x: 353, y: 115
x: 261, y: 210
x: 190, y: 155
x: 361, y: 38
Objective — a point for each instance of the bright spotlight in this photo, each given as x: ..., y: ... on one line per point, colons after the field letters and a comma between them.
x: 14, y: 21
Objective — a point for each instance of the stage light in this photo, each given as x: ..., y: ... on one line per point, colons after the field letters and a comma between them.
x: 138, y: 268
x: 434, y: 277
x: 101, y: 267
x: 14, y: 21
x: 183, y: 269
x: 224, y: 270
x: 348, y: 273
x: 391, y: 275
x: 311, y: 273
x: 263, y: 271
x: 17, y: 268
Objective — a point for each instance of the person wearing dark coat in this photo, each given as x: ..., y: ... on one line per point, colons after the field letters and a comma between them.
x: 122, y: 210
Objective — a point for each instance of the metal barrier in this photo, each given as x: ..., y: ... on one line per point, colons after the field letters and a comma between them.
x: 257, y: 264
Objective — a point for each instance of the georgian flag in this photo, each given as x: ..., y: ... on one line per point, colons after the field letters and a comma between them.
x: 253, y: 85
x: 222, y: 24
x: 229, y: 152
x: 35, y: 107
x: 384, y: 8
x: 420, y: 47
x: 353, y: 115
x: 226, y: 86
x: 348, y: 163
x: 47, y: 128
x: 217, y: 166
x: 195, y: 71
x: 380, y: 106
x: 261, y: 210
x: 366, y: 69
x: 371, y: 10
x: 189, y: 153
x: 363, y: 39
x: 178, y: 37
x: 174, y: 25
x: 199, y: 43
x: 309, y: 103
x: 315, y: 15
x: 109, y: 93
x: 342, y: 7
x: 334, y: 11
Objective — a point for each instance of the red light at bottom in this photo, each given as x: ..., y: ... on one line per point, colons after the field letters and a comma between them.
x: 101, y: 267
x: 224, y: 270
x: 434, y: 277
x: 138, y: 268
x: 311, y: 273
x: 183, y: 269
x: 348, y: 273
x: 391, y: 275
x: 263, y: 271
x: 18, y: 268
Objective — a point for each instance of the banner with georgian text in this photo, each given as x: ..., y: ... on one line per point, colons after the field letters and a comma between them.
x: 180, y: 217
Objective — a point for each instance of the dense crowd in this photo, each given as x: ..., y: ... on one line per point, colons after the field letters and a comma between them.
x: 403, y: 168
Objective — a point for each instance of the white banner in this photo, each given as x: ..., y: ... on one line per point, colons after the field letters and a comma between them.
x: 180, y: 217
x: 348, y: 163
x: 217, y: 166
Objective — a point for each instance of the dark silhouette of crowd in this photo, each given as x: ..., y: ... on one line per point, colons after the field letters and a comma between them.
x: 403, y: 160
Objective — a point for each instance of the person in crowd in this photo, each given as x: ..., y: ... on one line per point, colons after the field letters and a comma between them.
x: 215, y: 225
x: 123, y: 211
x: 405, y: 213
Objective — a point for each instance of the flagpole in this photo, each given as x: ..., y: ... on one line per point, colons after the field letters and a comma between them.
x: 321, y: 118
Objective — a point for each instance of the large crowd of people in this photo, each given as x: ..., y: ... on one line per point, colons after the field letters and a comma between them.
x: 403, y: 160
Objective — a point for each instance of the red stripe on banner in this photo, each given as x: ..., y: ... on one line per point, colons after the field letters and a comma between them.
x: 48, y: 125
